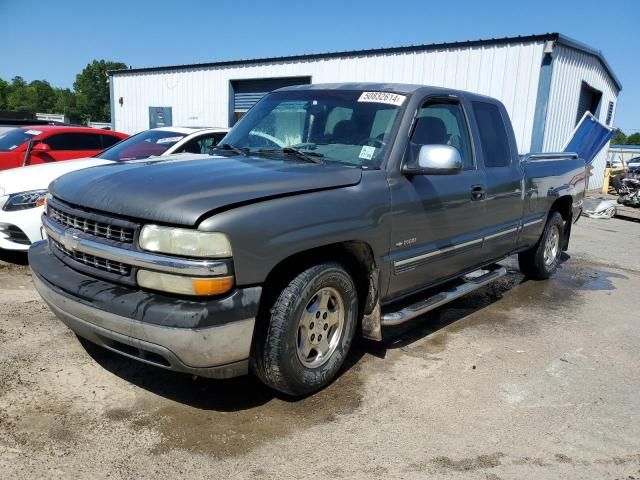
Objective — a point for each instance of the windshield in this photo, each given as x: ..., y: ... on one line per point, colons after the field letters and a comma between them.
x: 345, y: 126
x: 143, y: 145
x: 12, y: 139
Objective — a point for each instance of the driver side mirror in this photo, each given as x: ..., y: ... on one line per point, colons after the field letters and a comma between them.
x: 436, y: 160
x: 41, y: 148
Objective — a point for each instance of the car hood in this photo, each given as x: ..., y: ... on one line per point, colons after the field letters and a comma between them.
x: 38, y: 177
x: 181, y: 191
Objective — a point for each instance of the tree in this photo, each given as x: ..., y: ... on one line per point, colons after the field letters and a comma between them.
x: 5, y: 88
x: 619, y: 138
x: 21, y: 97
x: 65, y: 102
x: 45, y: 97
x: 633, y: 139
x: 92, y: 90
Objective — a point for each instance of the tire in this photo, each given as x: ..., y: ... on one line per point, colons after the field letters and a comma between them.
x: 321, y: 301
x: 541, y: 261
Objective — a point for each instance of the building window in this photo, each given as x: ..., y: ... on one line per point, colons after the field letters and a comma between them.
x: 609, y: 113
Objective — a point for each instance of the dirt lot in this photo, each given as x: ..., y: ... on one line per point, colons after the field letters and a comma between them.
x: 519, y: 380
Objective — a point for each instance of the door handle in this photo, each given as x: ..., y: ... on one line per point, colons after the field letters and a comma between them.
x: 477, y: 192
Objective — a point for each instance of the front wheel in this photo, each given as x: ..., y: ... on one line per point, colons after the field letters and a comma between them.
x: 541, y: 261
x: 310, y: 329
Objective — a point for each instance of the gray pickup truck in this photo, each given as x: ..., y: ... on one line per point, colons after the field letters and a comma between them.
x: 328, y: 211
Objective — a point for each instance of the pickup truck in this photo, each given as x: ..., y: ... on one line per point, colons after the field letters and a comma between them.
x: 328, y: 211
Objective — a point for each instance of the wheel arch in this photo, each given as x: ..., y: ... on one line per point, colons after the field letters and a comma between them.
x: 355, y: 255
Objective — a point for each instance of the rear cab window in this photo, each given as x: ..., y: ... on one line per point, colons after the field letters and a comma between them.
x: 493, y: 135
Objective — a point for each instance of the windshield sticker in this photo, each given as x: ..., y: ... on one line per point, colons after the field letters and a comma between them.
x: 367, y: 152
x: 382, y: 97
x: 33, y: 132
x: 168, y: 140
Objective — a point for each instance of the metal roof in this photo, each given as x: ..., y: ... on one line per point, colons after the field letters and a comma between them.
x: 553, y: 36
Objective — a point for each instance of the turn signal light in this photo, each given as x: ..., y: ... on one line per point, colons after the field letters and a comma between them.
x: 182, y: 285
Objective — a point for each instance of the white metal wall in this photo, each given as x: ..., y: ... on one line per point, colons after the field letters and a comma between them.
x: 200, y: 96
x: 570, y: 68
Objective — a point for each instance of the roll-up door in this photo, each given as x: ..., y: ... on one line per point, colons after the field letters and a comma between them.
x: 246, y: 93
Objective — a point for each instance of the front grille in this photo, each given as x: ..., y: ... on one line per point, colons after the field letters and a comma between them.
x: 96, y: 262
x: 92, y: 227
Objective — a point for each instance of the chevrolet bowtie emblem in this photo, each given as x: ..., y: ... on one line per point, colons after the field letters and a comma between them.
x: 70, y: 240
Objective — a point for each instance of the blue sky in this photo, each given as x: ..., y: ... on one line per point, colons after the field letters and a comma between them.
x: 54, y: 40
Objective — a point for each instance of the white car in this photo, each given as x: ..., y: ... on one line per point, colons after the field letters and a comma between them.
x: 633, y: 162
x: 23, y: 190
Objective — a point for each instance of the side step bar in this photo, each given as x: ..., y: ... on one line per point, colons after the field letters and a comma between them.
x: 428, y: 304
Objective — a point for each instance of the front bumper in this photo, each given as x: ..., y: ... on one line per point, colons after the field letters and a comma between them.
x: 209, y: 338
x: 18, y: 230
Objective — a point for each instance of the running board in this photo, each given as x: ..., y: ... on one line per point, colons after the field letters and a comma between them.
x: 428, y: 304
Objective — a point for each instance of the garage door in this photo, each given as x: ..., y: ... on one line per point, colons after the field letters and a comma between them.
x: 247, y: 92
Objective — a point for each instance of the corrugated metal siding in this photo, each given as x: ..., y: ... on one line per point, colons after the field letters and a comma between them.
x: 200, y: 96
x: 572, y: 67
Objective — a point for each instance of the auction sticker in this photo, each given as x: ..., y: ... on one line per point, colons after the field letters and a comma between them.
x: 169, y: 140
x: 382, y: 97
x: 367, y: 152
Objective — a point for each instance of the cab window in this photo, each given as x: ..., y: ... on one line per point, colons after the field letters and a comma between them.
x: 442, y: 123
x: 493, y: 135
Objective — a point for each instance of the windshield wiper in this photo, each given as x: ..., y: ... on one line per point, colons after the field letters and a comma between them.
x: 312, y: 157
x: 232, y: 148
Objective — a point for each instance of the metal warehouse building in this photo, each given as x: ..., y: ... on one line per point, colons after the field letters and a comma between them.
x: 546, y: 82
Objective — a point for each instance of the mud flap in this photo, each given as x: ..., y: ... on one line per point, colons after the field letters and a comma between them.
x: 566, y: 232
x: 371, y: 328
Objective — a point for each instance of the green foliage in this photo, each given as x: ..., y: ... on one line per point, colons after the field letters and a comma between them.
x: 4, y: 92
x: 619, y: 138
x: 92, y: 89
x: 88, y: 101
x: 633, y: 139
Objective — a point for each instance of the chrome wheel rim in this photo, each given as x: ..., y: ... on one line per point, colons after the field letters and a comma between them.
x: 320, y: 327
x: 552, y: 246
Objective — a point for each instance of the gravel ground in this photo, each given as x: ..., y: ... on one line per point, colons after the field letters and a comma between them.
x: 535, y: 380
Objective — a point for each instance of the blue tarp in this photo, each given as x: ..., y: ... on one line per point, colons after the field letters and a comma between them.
x: 589, y: 137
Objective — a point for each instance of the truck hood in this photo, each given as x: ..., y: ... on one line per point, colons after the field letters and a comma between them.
x: 38, y: 177
x: 181, y: 191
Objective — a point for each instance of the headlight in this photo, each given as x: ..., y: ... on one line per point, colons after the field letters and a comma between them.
x: 24, y: 200
x: 184, y: 285
x: 185, y: 242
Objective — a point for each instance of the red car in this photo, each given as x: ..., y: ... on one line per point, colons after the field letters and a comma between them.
x: 51, y: 143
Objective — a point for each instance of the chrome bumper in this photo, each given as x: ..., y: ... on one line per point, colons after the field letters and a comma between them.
x: 216, y: 352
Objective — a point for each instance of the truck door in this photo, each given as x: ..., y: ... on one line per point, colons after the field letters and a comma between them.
x: 437, y: 219
x: 503, y: 176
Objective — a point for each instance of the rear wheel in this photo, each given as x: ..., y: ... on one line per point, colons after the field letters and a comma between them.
x: 541, y: 261
x: 310, y: 329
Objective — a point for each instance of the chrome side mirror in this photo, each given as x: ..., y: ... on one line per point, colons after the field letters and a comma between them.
x: 439, y: 160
